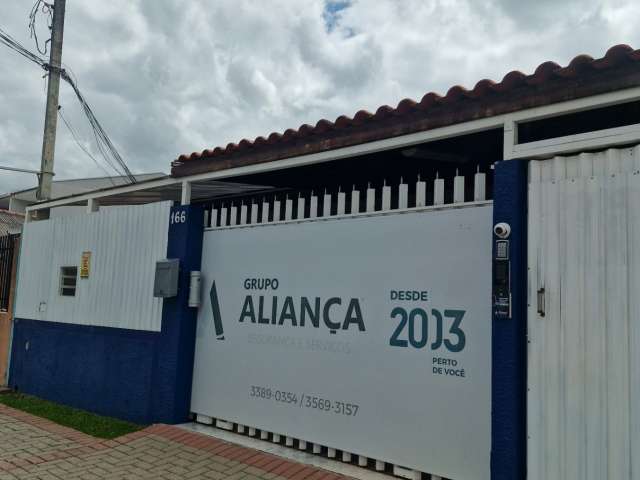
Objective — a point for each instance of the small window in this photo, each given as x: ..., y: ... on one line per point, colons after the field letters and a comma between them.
x: 68, y: 280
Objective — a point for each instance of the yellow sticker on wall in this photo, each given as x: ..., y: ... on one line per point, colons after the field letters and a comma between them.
x: 85, y: 264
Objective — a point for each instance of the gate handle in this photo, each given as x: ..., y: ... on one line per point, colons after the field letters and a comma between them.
x: 541, y: 302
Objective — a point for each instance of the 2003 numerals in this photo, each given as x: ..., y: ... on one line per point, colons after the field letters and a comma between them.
x: 416, y: 322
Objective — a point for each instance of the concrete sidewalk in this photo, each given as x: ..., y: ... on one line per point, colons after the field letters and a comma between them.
x: 34, y: 448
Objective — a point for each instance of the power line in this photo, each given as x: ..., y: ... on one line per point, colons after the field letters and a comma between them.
x: 104, y: 143
x: 46, y: 8
x: 83, y: 148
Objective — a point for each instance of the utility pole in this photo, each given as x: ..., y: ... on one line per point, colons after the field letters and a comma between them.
x: 51, y: 113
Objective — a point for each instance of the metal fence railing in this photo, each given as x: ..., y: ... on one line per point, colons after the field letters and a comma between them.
x: 7, y: 251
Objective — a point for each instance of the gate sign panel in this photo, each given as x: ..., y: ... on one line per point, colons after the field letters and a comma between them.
x: 370, y: 335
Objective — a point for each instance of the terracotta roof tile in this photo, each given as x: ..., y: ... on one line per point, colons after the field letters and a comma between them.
x: 511, y: 93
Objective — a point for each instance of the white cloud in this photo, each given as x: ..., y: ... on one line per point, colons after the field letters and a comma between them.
x: 169, y: 76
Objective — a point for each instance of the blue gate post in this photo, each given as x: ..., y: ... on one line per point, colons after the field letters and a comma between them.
x: 509, y: 345
x: 173, y: 370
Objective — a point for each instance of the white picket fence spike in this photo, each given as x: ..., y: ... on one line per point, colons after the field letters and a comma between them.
x: 313, y: 206
x: 355, y: 201
x: 317, y: 448
x: 403, y: 195
x: 276, y: 210
x: 479, y: 187
x: 458, y: 189
x: 371, y: 200
x: 386, y: 198
x: 340, y: 207
x: 243, y: 214
x: 331, y: 452
x: 362, y: 461
x: 223, y: 217
x: 288, y: 209
x: 288, y: 441
x: 421, y: 193
x: 214, y: 218
x: 326, y: 205
x: 438, y: 191
x: 265, y: 212
x: 302, y: 445
x: 254, y: 213
x: 301, y: 202
x: 233, y: 216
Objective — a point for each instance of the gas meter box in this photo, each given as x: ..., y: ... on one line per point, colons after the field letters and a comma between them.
x: 166, y: 280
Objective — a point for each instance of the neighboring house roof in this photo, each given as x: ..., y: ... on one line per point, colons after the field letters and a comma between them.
x: 65, y: 188
x: 550, y: 83
x: 10, y: 222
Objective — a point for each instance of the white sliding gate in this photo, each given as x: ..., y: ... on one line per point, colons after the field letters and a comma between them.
x: 584, y: 317
x: 364, y: 336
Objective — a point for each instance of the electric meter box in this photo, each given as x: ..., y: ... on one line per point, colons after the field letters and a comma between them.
x: 166, y: 280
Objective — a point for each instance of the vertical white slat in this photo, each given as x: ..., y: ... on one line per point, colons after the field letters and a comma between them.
x: 572, y: 327
x: 243, y: 214
x: 633, y: 220
x: 355, y: 200
x: 317, y: 448
x: 458, y: 188
x: 288, y: 208
x: 252, y: 432
x: 386, y: 197
x: 264, y: 435
x: 479, y: 186
x: 302, y: 445
x: 403, y: 195
x: 240, y: 428
x: 301, y: 202
x: 438, y: 191
x: 331, y: 452
x: 254, y: 213
x: 313, y: 206
x: 223, y: 216
x: 207, y: 218
x: 380, y: 465
x: 421, y: 193
x: 265, y: 212
x: 617, y: 320
x: 276, y: 210
x: 233, y: 216
x: 276, y: 437
x: 346, y: 456
x: 595, y: 333
x: 326, y: 204
x: 341, y: 200
x: 362, y: 460
x: 288, y: 441
x: 214, y: 217
x: 371, y: 199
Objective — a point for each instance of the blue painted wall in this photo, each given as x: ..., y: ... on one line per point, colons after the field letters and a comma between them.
x: 143, y: 377
x: 509, y: 348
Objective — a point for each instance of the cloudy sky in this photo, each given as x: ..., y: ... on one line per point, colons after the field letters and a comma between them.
x: 167, y: 77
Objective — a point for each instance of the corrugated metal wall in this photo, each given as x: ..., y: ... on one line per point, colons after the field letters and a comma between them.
x: 124, y: 243
x: 584, y: 352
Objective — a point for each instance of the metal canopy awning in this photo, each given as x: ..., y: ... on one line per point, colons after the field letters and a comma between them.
x: 165, y: 188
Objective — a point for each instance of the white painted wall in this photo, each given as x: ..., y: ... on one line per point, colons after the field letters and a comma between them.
x: 125, y: 244
x: 584, y: 352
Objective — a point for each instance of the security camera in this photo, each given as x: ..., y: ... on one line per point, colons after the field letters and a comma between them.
x: 502, y: 230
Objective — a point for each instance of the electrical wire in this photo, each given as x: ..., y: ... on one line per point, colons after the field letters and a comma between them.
x: 105, y: 145
x: 82, y: 147
x: 47, y: 9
